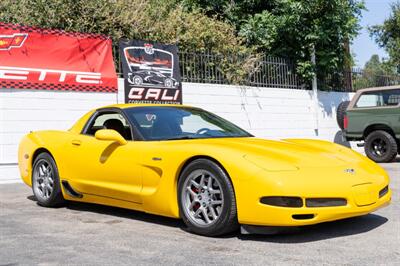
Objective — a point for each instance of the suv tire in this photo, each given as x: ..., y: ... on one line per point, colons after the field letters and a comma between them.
x: 380, y: 146
x: 341, y: 112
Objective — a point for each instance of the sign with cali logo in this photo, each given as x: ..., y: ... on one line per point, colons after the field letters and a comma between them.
x: 151, y: 72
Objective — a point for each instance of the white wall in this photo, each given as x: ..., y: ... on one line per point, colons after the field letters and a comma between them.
x: 270, y: 112
x: 265, y: 112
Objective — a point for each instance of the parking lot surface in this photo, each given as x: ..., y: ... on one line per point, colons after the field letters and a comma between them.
x: 93, y: 234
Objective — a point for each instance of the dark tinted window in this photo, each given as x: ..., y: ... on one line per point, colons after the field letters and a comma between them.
x: 162, y: 123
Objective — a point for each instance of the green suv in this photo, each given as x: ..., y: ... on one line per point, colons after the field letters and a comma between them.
x: 373, y: 115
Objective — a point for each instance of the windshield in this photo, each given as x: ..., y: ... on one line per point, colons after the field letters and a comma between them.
x: 169, y: 123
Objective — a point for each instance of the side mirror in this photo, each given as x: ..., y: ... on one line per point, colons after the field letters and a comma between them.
x: 111, y: 135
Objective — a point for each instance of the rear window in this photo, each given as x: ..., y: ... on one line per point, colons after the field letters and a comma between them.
x: 379, y: 99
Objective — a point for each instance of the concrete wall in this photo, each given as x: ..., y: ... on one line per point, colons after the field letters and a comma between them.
x: 265, y: 112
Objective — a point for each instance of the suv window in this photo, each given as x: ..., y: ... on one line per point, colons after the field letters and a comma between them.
x: 379, y: 98
x: 110, y: 120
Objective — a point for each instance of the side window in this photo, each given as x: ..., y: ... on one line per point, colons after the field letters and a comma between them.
x: 391, y: 97
x: 379, y: 99
x: 369, y: 99
x: 110, y: 120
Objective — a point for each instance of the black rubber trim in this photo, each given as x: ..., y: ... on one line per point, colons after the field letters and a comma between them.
x: 70, y: 191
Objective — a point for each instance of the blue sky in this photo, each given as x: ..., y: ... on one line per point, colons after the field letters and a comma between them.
x: 363, y: 46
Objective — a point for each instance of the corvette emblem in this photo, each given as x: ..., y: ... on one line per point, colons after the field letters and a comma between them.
x: 350, y: 171
x: 15, y: 40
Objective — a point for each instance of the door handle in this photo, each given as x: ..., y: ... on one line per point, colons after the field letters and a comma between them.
x: 76, y: 142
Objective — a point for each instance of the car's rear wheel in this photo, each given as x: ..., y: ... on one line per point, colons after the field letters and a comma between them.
x: 380, y: 146
x: 168, y: 83
x: 46, y: 182
x: 206, y: 199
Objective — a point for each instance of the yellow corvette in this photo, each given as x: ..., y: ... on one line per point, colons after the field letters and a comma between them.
x: 184, y: 162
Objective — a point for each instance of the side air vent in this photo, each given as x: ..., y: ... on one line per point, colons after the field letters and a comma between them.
x: 70, y: 191
x: 326, y: 202
x: 383, y: 191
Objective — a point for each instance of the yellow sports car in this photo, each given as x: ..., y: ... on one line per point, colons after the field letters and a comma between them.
x: 184, y: 162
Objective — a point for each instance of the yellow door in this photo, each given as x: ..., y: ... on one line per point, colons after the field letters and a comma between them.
x: 104, y: 168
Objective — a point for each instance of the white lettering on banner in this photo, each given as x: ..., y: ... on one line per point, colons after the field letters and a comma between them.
x: 10, y: 74
x: 140, y: 94
x: 136, y: 93
x: 19, y: 73
x: 153, y: 93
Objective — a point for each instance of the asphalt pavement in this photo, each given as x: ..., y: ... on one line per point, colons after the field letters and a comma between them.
x: 92, y: 234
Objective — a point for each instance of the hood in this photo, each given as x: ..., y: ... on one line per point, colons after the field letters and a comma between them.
x: 292, y: 154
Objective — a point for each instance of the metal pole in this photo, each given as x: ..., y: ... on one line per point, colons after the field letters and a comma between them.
x: 315, y: 92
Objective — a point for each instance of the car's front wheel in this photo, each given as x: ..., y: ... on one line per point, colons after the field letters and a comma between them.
x: 380, y: 146
x: 206, y: 199
x: 45, y: 181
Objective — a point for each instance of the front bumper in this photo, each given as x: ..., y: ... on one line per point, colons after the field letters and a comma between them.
x: 283, y: 216
x: 361, y: 194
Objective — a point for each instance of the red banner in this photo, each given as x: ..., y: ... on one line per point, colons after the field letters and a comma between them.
x: 44, y: 59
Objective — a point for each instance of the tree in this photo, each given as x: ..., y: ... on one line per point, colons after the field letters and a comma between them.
x: 387, y: 35
x: 163, y: 21
x: 289, y: 28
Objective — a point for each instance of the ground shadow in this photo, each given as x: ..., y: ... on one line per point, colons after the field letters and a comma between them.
x: 124, y: 213
x: 338, y: 139
x: 311, y: 233
x: 303, y: 234
x: 32, y: 198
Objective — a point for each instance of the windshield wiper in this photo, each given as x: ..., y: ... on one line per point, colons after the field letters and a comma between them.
x: 181, y: 137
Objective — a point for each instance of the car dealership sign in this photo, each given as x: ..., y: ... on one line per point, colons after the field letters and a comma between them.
x: 151, y: 72
x: 34, y: 58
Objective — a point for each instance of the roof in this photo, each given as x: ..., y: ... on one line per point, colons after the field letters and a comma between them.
x: 380, y: 88
x: 128, y: 105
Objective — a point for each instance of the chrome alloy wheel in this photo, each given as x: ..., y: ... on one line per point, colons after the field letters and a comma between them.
x: 202, y: 198
x: 43, y: 179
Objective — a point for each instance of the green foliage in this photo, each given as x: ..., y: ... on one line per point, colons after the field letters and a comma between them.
x: 164, y: 21
x: 289, y: 28
x: 375, y: 73
x: 387, y: 35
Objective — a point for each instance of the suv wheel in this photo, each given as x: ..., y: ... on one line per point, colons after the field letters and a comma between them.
x: 381, y: 147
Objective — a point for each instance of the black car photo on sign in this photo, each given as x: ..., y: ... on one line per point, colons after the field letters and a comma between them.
x: 149, y: 77
x: 150, y: 67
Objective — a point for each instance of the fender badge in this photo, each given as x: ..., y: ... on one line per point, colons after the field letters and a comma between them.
x: 350, y: 171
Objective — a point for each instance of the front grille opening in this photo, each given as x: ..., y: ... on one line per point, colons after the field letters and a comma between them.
x: 325, y: 202
x: 293, y: 202
x: 302, y: 216
x: 383, y: 191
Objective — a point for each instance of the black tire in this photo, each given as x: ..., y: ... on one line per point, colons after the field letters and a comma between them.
x: 168, y: 83
x: 341, y: 112
x: 137, y: 80
x: 55, y: 197
x: 227, y: 219
x: 380, y: 146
